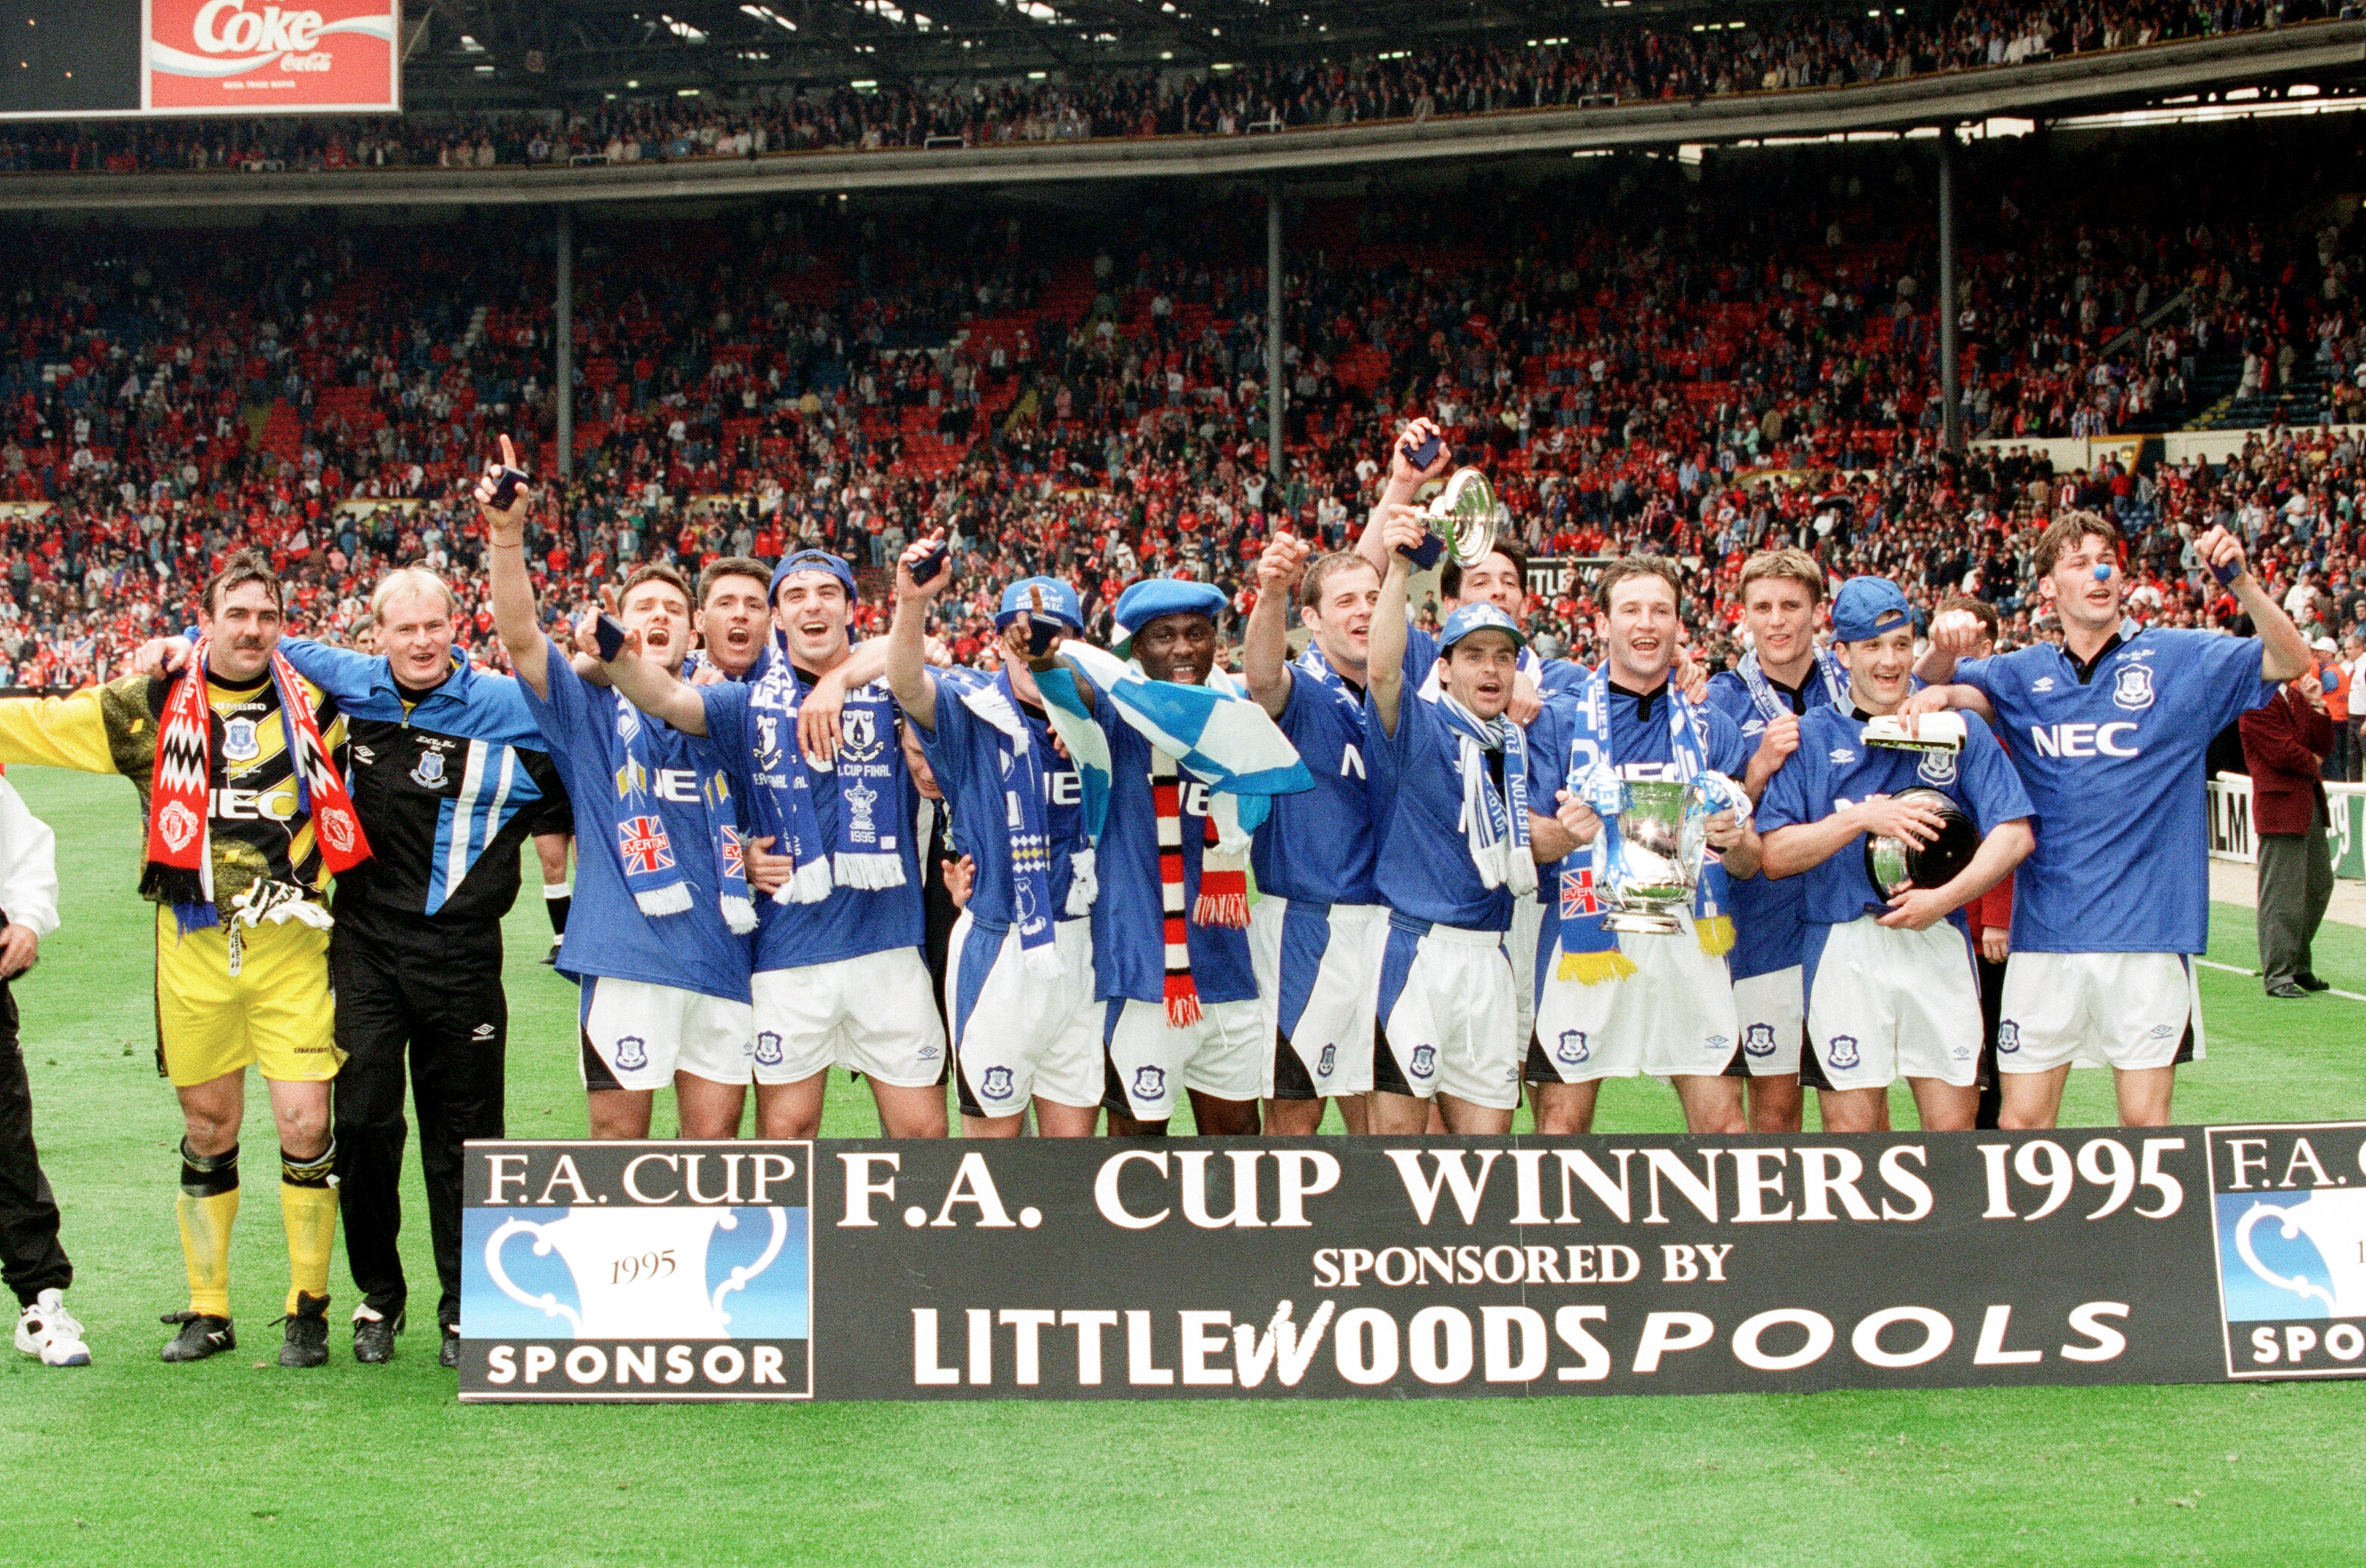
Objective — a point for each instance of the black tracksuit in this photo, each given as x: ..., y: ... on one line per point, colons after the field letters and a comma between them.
x: 447, y: 801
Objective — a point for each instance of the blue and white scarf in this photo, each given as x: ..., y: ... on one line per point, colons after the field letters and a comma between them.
x: 865, y: 775
x: 1495, y: 822
x: 1216, y: 733
x: 645, y: 848
x: 1589, y: 951
x: 1020, y: 768
x: 1762, y: 690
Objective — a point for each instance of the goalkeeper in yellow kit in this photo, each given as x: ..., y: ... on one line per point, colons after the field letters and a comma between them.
x: 240, y: 764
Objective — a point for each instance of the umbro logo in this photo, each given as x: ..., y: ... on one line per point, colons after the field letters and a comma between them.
x: 2043, y: 683
x: 482, y: 1032
x: 1843, y: 754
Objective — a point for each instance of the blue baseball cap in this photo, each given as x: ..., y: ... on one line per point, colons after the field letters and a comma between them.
x: 812, y: 561
x: 1481, y: 616
x: 1148, y: 599
x: 1059, y: 599
x: 1867, y: 607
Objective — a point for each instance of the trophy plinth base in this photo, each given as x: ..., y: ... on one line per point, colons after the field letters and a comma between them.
x: 1642, y: 922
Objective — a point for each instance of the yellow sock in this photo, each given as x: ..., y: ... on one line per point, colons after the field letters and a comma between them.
x: 309, y: 1206
x: 205, y: 1243
x: 208, y: 1206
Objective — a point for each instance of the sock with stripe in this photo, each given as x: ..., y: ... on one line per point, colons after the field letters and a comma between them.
x: 308, y: 1204
x: 208, y: 1207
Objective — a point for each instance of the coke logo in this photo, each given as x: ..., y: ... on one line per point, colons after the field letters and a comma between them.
x: 227, y: 27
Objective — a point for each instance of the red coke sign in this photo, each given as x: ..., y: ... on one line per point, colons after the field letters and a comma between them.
x: 262, y: 57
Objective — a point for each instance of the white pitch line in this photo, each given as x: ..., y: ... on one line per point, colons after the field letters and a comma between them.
x: 2239, y: 970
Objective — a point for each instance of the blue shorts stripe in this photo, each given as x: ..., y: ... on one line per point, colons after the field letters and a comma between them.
x: 980, y: 948
x: 1305, y: 938
x: 1396, y: 964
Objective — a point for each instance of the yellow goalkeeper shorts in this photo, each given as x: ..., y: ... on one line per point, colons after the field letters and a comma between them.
x: 276, y: 1012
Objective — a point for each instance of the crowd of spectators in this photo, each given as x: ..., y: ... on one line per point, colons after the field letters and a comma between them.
x: 1640, y: 359
x: 1619, y: 61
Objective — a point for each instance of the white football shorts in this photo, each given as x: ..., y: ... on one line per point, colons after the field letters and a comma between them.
x: 1771, y: 1010
x: 1884, y: 1004
x: 1673, y: 1017
x: 875, y: 1014
x: 1022, y: 1030
x: 2122, y: 1009
x: 636, y: 1034
x: 1318, y: 967
x: 1149, y: 1062
x: 1447, y: 1016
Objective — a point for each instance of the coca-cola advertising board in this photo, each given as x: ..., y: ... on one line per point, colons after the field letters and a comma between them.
x: 258, y: 57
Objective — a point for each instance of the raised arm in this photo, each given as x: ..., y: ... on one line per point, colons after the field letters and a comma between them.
x: 1954, y: 634
x: 2283, y: 652
x: 907, y: 643
x: 655, y: 690
x: 1400, y: 532
x: 515, y: 614
x: 1264, y: 644
x: 1397, y: 488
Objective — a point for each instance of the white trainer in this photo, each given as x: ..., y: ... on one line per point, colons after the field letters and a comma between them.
x: 48, y: 1330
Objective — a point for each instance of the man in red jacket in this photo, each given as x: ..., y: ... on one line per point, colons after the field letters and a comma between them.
x: 2284, y: 744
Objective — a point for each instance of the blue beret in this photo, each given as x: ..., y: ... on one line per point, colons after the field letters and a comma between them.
x: 1148, y: 599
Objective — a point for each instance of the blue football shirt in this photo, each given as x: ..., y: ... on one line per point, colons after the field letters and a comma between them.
x: 965, y: 753
x: 1319, y: 845
x: 2114, y: 764
x: 607, y: 934
x: 1766, y: 911
x: 1834, y: 768
x: 1640, y: 747
x: 1129, y: 913
x: 1424, y: 870
x: 752, y: 749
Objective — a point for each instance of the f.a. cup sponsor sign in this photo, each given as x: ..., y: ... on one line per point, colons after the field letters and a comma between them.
x: 1294, y: 1267
x: 255, y: 57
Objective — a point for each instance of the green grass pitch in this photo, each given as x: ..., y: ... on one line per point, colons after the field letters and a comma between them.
x: 234, y: 1461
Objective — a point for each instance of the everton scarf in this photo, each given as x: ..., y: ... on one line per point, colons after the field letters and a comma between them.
x: 643, y: 846
x: 865, y: 775
x: 1021, y: 771
x: 1216, y: 734
x: 1495, y: 822
x: 1762, y: 690
x: 1590, y: 952
x: 180, y: 869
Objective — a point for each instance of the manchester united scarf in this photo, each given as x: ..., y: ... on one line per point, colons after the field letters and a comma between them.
x: 180, y: 869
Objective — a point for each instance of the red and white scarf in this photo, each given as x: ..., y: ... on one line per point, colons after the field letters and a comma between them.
x: 180, y: 835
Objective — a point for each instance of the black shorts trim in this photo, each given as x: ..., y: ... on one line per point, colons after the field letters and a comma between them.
x: 1539, y: 1068
x: 1291, y: 1079
x: 1387, y: 1077
x: 1113, y: 1098
x: 1811, y: 1068
x: 596, y: 1076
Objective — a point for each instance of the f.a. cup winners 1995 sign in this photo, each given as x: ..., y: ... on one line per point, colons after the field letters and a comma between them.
x: 1296, y: 1268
